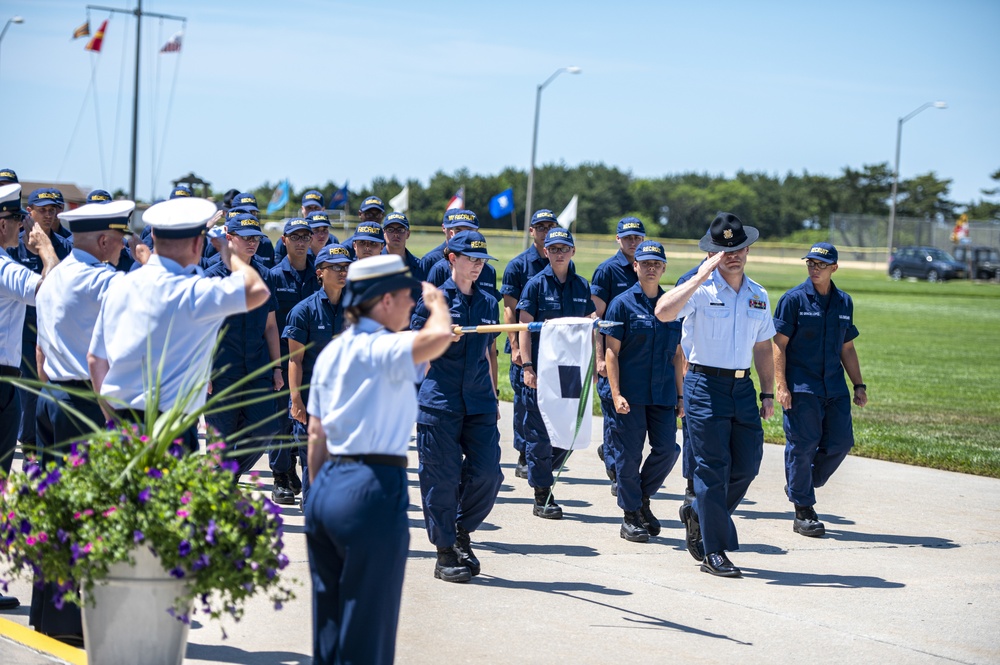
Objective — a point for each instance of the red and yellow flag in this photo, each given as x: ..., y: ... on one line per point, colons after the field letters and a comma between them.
x: 82, y: 31
x: 95, y: 42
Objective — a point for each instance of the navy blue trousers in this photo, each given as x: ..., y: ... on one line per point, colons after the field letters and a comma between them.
x: 728, y: 442
x: 357, y: 535
x: 459, y: 471
x: 609, y: 413
x: 29, y: 400
x: 10, y: 420
x: 517, y: 385
x: 538, y: 451
x: 281, y: 454
x: 818, y: 435
x: 56, y: 428
x: 687, y: 453
x: 628, y: 433
x: 254, y: 420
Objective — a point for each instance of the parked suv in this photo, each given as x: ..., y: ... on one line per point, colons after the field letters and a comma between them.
x: 928, y: 263
x: 982, y: 262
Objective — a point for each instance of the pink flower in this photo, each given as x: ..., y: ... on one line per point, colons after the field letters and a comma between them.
x: 109, y: 511
x: 30, y: 540
x: 186, y: 498
x: 43, y: 537
x: 182, y: 513
x: 86, y: 548
x: 88, y: 512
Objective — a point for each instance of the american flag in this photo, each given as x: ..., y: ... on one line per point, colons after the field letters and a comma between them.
x: 173, y: 45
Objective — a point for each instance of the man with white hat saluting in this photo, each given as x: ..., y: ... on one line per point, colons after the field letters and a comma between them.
x: 180, y: 317
x: 728, y: 323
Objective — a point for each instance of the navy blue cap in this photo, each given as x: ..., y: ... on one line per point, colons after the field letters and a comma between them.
x: 45, y: 196
x: 245, y: 200
x: 180, y: 190
x: 822, y: 251
x: 296, y: 224
x: 333, y: 253
x: 369, y: 231
x: 650, y: 250
x: 7, y: 176
x: 10, y: 198
x: 313, y: 198
x: 559, y: 236
x: 99, y: 196
x: 372, y: 202
x: 318, y: 219
x: 543, y: 215
x: 631, y: 226
x: 469, y: 243
x: 240, y: 210
x: 244, y: 224
x: 395, y: 218
x: 456, y: 217
x: 99, y: 216
x: 375, y: 276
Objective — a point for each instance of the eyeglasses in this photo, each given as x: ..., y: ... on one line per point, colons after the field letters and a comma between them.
x: 817, y: 265
x: 300, y: 237
x: 250, y: 240
x: 394, y: 230
x: 474, y: 260
x: 558, y: 249
x: 369, y: 215
x: 336, y: 267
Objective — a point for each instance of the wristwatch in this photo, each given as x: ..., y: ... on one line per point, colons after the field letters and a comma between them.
x: 764, y: 396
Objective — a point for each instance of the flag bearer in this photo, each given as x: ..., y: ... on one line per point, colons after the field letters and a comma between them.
x: 555, y: 292
x: 457, y: 436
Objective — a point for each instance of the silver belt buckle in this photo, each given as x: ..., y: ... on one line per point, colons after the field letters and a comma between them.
x: 740, y: 373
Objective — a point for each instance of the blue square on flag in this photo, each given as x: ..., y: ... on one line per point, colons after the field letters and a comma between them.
x: 570, y: 383
x: 502, y: 204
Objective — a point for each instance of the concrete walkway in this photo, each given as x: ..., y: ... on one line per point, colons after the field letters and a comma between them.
x: 909, y: 572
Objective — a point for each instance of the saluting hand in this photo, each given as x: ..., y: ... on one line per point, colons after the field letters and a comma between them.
x: 710, y: 264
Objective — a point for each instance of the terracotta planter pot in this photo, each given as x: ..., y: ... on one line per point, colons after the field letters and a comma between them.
x: 128, y: 623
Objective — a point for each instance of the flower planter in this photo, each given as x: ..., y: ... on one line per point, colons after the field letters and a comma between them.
x: 128, y: 622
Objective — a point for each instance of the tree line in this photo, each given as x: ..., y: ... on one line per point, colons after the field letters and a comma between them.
x: 677, y: 206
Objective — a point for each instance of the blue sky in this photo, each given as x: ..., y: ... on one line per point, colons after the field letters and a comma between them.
x: 318, y: 91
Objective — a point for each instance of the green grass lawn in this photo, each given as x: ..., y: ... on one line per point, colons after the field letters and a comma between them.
x: 930, y: 354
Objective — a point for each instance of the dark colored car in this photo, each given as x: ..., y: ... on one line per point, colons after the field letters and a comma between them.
x: 930, y: 263
x: 981, y: 262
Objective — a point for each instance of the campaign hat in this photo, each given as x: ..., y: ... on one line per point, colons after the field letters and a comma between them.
x: 727, y: 234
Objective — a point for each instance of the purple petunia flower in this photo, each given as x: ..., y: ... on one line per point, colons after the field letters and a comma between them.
x: 62, y: 536
x: 176, y: 450
x: 58, y: 601
x: 25, y: 526
x: 282, y: 560
x: 177, y: 572
x: 271, y: 507
x: 184, y: 548
x: 201, y: 562
x: 210, y: 533
x: 154, y: 473
x: 138, y: 536
x: 231, y: 466
x: 144, y: 495
x: 278, y: 605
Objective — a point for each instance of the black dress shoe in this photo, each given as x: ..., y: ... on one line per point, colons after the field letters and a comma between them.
x: 695, y: 547
x: 648, y: 519
x: 281, y: 493
x: 463, y: 546
x: 807, y: 523
x: 717, y: 563
x: 632, y: 529
x: 8, y: 602
x: 545, y: 505
x: 294, y: 482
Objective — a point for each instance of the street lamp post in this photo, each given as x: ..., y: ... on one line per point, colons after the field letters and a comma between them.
x: 534, y: 146
x: 13, y: 19
x: 895, y: 173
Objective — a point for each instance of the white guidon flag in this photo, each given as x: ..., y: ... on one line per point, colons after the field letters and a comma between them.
x: 565, y: 380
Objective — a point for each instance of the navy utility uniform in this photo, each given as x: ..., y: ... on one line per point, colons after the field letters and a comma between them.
x: 818, y: 427
x: 545, y: 298
x: 646, y: 380
x: 457, y: 437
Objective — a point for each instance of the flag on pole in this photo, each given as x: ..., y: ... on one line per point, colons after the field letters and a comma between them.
x: 502, y: 204
x: 173, y: 44
x: 458, y: 201
x: 97, y: 40
x: 565, y: 380
x: 82, y: 31
x: 568, y: 215
x: 960, y: 233
x: 339, y: 198
x: 401, y: 202
x: 279, y: 199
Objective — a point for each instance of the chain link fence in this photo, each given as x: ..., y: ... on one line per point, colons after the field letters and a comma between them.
x: 864, y: 237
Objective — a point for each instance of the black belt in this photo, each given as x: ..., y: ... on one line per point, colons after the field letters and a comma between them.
x: 718, y: 371
x: 81, y: 384
x: 381, y: 460
x: 6, y: 370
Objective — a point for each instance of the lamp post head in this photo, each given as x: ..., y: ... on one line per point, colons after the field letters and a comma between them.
x: 17, y: 19
x: 577, y: 70
x: 940, y: 105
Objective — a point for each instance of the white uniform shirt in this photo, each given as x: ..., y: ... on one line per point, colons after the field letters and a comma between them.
x: 163, y: 313
x: 721, y: 326
x: 68, y: 305
x: 364, y: 391
x: 17, y: 289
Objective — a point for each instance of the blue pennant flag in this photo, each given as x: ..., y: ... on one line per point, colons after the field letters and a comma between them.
x: 339, y: 198
x: 280, y: 198
x: 502, y: 204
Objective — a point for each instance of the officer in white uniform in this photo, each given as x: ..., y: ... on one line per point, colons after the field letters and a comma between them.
x: 170, y: 311
x: 17, y: 290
